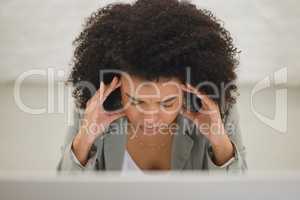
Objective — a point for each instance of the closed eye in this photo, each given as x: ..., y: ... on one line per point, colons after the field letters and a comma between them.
x: 169, y: 102
x: 167, y: 105
x: 133, y: 102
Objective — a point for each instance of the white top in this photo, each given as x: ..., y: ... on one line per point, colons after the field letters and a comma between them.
x: 129, y: 164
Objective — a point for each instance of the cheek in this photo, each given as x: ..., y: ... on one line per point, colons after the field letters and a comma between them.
x: 132, y: 114
x: 168, y: 117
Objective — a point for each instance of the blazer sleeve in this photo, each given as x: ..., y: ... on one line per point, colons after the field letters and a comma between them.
x: 238, y: 163
x: 68, y: 160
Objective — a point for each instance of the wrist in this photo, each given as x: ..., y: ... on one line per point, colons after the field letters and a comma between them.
x: 81, y: 146
x: 85, y: 137
x: 219, y: 141
x: 222, y: 150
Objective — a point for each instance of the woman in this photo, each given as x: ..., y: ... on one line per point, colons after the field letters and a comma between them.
x: 135, y: 67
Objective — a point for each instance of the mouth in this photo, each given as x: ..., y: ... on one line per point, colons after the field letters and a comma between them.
x: 150, y: 128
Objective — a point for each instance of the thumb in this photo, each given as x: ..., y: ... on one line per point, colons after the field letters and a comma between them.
x: 188, y: 114
x: 115, y: 116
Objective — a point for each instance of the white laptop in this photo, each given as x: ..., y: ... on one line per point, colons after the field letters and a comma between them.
x: 173, y: 186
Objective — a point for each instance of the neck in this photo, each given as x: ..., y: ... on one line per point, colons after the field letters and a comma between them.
x: 159, y: 138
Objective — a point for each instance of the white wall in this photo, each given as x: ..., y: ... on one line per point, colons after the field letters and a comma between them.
x: 266, y: 31
x: 32, y: 142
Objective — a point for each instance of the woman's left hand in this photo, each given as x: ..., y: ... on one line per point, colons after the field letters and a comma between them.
x: 210, y: 123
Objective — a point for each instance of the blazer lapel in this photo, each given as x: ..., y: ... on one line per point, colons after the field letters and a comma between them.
x: 182, y: 144
x: 115, y: 144
x: 116, y: 138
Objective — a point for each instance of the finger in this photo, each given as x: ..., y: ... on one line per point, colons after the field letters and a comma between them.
x: 193, y: 92
x: 187, y: 89
x: 198, y: 92
x: 89, y: 106
x: 96, y: 96
x: 88, y: 103
x: 190, y: 115
x: 116, y: 116
x: 114, y: 85
x: 205, y: 99
x: 102, y: 89
x: 96, y: 99
x: 112, y: 112
x: 98, y: 93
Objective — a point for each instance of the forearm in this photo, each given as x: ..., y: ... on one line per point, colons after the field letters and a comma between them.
x: 81, y: 146
x: 223, y: 150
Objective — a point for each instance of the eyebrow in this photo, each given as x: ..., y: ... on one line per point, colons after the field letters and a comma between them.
x: 165, y: 101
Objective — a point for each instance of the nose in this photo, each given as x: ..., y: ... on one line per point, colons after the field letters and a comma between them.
x: 151, y: 120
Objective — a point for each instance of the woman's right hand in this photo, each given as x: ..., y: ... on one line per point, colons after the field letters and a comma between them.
x: 95, y: 120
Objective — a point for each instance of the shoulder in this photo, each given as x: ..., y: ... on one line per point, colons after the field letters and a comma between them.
x: 232, y: 114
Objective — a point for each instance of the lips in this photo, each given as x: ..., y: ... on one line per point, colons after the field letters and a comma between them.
x: 145, y: 127
x: 150, y: 127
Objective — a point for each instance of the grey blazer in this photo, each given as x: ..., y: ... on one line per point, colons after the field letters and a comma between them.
x: 190, y: 149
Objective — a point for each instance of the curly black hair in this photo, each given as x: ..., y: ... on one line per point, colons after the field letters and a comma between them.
x: 152, y: 39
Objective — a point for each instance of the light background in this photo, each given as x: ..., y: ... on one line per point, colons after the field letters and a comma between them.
x: 38, y: 35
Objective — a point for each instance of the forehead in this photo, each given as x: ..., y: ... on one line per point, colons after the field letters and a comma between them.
x: 136, y: 87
